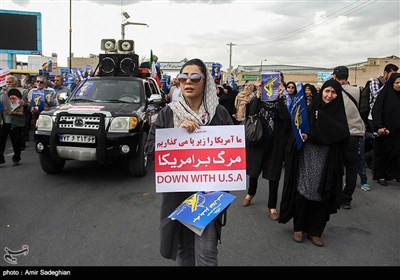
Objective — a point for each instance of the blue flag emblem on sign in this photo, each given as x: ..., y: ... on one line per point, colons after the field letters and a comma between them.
x: 198, y: 210
x: 298, y: 115
x: 269, y: 86
x: 216, y: 70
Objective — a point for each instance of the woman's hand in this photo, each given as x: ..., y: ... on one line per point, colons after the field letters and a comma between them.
x: 304, y: 137
x: 190, y: 126
x: 383, y: 131
x: 281, y: 89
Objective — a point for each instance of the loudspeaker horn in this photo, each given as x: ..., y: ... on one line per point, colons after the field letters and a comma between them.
x: 108, y: 45
x: 126, y: 45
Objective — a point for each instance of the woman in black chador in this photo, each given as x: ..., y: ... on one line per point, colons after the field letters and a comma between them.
x: 313, y: 176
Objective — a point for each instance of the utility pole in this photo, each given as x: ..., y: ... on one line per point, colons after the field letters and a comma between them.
x: 262, y: 65
x: 129, y: 23
x: 70, y: 36
x: 230, y: 57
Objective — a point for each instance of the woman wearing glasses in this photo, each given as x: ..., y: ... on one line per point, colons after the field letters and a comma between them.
x: 196, y: 106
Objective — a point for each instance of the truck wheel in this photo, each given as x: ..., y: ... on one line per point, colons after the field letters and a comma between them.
x: 49, y: 165
x: 138, y: 164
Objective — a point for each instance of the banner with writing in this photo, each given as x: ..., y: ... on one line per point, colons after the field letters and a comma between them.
x: 198, y: 210
x: 213, y: 158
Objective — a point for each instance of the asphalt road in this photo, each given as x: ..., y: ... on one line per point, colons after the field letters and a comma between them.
x: 97, y: 215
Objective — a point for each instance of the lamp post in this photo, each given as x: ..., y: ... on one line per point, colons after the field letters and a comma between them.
x: 262, y: 65
x: 125, y: 23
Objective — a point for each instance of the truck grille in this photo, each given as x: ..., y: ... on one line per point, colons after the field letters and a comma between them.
x: 83, y: 122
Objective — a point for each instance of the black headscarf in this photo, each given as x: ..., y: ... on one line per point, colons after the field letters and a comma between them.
x: 386, y: 111
x: 328, y: 122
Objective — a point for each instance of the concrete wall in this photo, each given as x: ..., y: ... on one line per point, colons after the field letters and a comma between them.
x: 81, y: 62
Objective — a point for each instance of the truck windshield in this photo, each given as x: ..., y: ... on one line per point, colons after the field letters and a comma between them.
x: 124, y: 91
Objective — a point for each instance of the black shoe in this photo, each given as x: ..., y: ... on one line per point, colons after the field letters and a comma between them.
x: 15, y: 163
x: 2, y: 161
x: 23, y: 148
x: 382, y: 182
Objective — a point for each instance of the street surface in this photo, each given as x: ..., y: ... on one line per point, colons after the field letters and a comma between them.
x: 97, y: 215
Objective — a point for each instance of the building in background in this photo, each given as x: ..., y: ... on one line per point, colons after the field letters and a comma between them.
x: 359, y: 73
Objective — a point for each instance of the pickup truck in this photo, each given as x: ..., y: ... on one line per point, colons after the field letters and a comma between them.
x: 105, y: 119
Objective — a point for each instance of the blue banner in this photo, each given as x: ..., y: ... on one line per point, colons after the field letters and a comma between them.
x: 166, y: 83
x: 40, y: 97
x: 89, y: 71
x: 64, y: 71
x: 83, y: 72
x: 232, y: 83
x: 85, y: 89
x: 198, y: 210
x: 77, y: 73
x: 269, y: 86
x: 298, y: 115
x: 216, y: 70
x: 69, y: 81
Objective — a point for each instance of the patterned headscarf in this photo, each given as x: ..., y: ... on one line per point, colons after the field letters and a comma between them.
x: 182, y: 110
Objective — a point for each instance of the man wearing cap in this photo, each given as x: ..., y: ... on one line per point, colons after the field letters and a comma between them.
x: 13, y: 123
x: 351, y: 95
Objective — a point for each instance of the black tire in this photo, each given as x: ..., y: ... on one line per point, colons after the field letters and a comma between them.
x: 49, y: 165
x: 137, y: 165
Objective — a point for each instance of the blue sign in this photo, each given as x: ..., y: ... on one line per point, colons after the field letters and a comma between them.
x: 269, y: 86
x: 198, y: 210
x: 298, y: 115
x: 216, y: 70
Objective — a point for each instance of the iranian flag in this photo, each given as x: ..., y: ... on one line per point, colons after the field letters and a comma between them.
x: 152, y: 66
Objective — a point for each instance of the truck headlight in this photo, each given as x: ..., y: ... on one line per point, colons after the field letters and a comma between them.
x: 123, y: 124
x: 44, y: 123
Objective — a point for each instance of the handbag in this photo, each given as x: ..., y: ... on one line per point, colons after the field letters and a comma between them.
x: 253, y: 130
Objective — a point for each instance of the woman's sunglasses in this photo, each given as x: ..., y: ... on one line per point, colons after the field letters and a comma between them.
x: 194, y: 78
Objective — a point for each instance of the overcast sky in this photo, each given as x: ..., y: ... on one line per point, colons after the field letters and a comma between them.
x: 308, y: 33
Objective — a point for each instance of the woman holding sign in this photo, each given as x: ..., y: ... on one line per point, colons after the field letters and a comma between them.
x: 268, y: 158
x: 313, y: 176
x: 196, y: 106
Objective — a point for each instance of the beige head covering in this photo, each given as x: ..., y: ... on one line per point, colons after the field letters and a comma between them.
x: 182, y: 110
